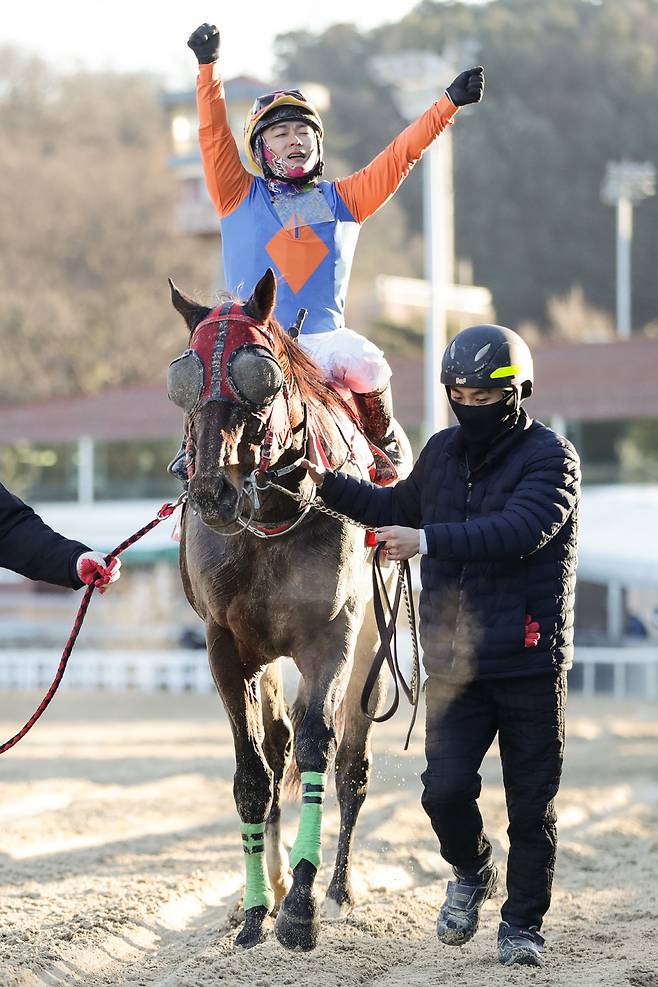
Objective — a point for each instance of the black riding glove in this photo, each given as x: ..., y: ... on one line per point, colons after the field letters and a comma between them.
x: 467, y: 87
x: 204, y: 42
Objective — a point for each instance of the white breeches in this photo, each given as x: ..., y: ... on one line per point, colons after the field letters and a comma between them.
x: 348, y: 359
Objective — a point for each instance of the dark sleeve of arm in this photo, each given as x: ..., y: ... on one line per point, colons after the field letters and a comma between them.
x: 376, y: 506
x: 29, y: 547
x: 539, y: 506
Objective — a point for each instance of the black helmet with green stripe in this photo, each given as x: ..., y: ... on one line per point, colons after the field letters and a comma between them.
x: 488, y: 356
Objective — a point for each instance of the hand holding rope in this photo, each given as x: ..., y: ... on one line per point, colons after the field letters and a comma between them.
x: 165, y: 511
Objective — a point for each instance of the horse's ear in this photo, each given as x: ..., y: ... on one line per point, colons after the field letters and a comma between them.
x: 263, y: 299
x: 192, y: 312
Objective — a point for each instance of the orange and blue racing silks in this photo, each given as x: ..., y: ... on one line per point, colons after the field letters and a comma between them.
x: 306, y: 235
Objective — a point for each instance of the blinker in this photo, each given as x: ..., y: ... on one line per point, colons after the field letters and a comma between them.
x: 185, y: 381
x: 254, y: 376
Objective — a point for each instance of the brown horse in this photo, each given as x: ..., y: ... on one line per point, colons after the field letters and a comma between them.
x: 271, y: 577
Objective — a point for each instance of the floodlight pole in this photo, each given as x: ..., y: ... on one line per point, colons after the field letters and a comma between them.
x: 625, y: 183
x: 624, y: 238
x: 438, y: 230
x: 417, y: 79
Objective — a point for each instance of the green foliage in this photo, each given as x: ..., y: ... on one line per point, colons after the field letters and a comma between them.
x: 571, y: 84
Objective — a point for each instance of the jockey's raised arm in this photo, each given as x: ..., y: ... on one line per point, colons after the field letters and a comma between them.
x: 227, y: 180
x: 369, y: 189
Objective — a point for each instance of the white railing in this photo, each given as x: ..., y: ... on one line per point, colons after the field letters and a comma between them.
x: 622, y: 660
x: 177, y: 670
x: 635, y: 669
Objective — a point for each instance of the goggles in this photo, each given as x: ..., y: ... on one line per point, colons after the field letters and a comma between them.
x: 262, y: 102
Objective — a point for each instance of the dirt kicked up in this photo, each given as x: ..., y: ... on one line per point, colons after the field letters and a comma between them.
x: 121, y: 857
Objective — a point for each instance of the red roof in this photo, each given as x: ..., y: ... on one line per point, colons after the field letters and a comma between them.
x: 576, y: 381
x: 139, y: 412
x: 596, y: 381
x: 583, y: 381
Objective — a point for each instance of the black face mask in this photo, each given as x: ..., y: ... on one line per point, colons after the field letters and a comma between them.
x: 483, y: 424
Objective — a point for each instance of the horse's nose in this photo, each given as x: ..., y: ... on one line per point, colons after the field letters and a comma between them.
x: 214, y: 499
x: 205, y: 489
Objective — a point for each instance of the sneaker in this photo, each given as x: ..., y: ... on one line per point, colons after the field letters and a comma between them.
x: 521, y: 947
x: 460, y: 912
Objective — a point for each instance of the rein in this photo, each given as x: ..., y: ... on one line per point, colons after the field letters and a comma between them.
x: 388, y: 645
x: 165, y: 511
x: 387, y: 630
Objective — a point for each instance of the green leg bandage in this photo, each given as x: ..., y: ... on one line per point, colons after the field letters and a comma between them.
x: 258, y: 890
x: 308, y: 844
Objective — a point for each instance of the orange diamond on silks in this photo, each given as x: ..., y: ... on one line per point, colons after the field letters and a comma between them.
x: 297, y: 252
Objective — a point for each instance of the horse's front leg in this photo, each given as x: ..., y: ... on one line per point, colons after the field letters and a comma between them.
x: 353, y: 767
x: 237, y: 683
x: 278, y: 751
x: 325, y: 673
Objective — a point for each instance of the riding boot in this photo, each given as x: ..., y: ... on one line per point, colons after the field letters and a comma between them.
x: 376, y: 413
x: 178, y: 466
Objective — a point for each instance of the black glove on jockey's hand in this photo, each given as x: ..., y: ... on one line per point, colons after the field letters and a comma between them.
x: 204, y: 42
x: 467, y: 87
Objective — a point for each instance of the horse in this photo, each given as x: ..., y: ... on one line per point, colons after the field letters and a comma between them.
x: 271, y: 576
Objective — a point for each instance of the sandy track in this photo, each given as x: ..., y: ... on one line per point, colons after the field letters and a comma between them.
x: 121, y: 861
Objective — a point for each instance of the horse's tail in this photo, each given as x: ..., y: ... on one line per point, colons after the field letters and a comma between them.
x: 292, y: 782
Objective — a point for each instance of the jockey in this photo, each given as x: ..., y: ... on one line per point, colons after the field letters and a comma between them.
x: 286, y: 217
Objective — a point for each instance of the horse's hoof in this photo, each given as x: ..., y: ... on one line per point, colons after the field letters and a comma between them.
x: 252, y: 932
x: 336, y: 910
x: 339, y: 900
x: 298, y: 929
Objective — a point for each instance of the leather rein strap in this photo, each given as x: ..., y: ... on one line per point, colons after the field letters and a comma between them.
x: 386, y: 614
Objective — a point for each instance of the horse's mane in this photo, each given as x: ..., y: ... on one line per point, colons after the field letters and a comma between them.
x: 297, y: 366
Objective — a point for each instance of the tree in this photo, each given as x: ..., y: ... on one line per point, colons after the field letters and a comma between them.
x: 570, y: 85
x: 87, y: 235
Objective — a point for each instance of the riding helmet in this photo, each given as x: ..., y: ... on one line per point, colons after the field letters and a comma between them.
x: 488, y: 356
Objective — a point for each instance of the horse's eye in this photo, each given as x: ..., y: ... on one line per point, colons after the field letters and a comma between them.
x: 185, y: 380
x: 254, y: 375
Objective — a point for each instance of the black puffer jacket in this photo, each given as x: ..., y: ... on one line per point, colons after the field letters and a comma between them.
x: 28, y: 546
x: 501, y: 544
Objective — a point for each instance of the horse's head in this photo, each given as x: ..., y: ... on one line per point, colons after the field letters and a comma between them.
x: 234, y: 393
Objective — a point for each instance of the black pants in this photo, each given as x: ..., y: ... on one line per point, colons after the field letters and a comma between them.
x: 528, y: 716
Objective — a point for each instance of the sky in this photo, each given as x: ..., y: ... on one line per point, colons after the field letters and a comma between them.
x: 129, y: 35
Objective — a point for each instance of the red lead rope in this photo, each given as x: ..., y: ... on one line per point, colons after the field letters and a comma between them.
x: 165, y: 511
